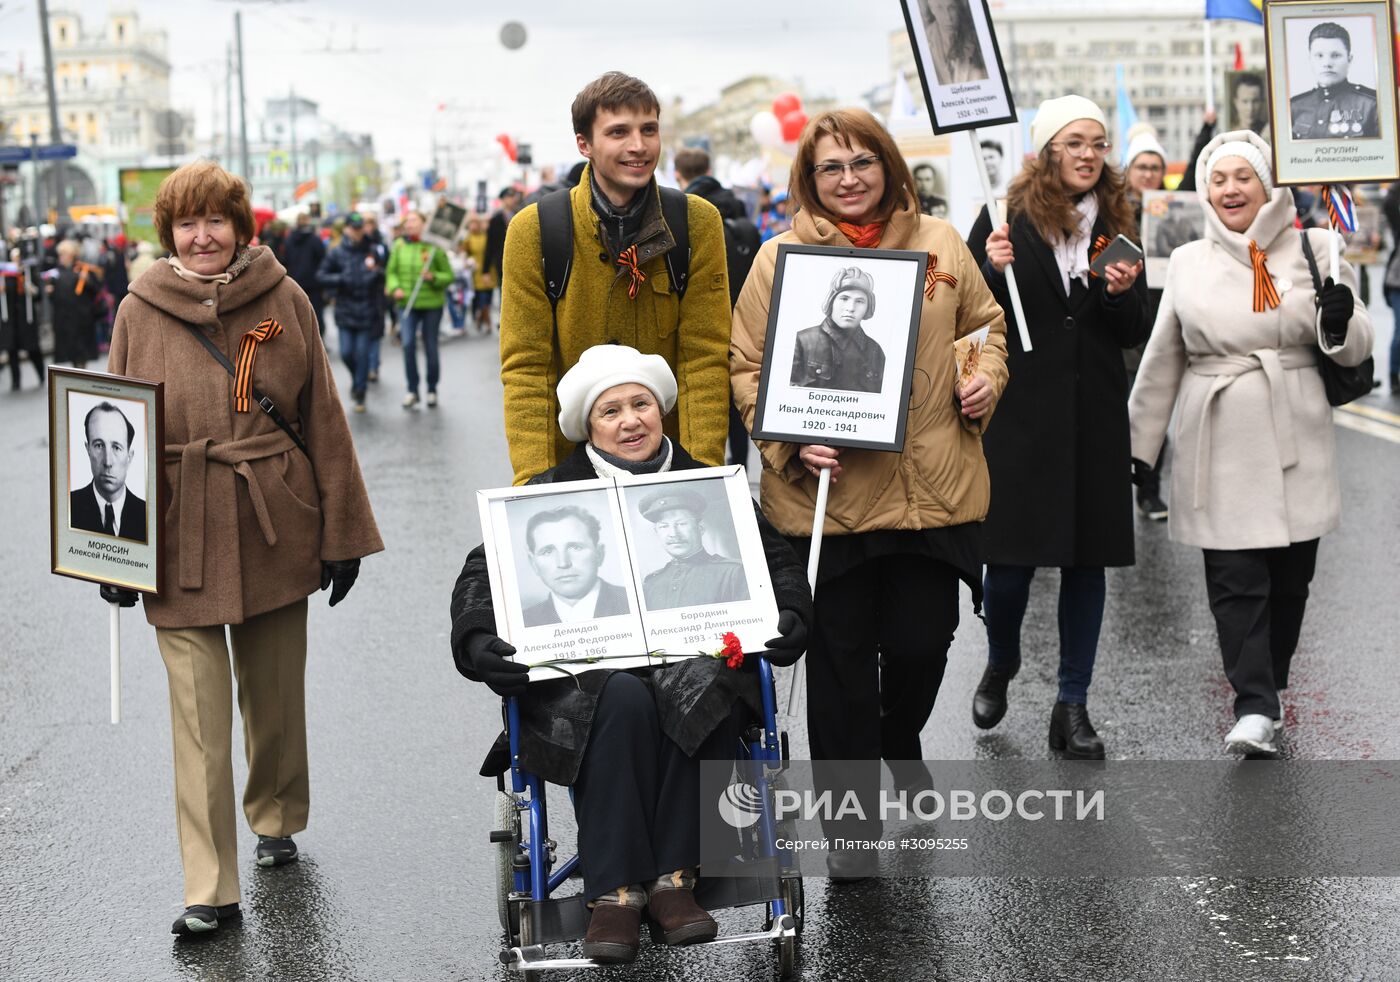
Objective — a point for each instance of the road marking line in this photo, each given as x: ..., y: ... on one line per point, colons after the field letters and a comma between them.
x: 1368, y: 426
x: 1373, y: 413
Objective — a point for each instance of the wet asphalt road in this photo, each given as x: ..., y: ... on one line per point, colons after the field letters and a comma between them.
x: 396, y: 877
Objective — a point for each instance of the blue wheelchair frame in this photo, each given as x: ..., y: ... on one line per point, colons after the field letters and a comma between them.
x: 535, y: 879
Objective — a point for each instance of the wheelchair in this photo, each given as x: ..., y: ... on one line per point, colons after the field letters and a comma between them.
x: 528, y: 872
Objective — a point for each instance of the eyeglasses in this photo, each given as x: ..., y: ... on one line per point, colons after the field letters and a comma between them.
x: 1148, y: 168
x: 1076, y: 148
x: 830, y: 170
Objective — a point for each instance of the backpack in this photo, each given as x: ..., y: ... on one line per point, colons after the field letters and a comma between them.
x: 557, y: 243
x: 741, y: 244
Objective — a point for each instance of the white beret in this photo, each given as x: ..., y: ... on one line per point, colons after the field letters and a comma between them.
x: 1055, y: 114
x: 599, y: 369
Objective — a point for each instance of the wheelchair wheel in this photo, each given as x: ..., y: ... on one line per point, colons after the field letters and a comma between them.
x: 786, y: 948
x: 505, y: 841
x: 791, y: 891
x: 526, y: 937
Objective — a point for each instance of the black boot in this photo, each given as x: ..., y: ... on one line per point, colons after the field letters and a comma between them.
x: 989, y: 701
x: 1072, y: 734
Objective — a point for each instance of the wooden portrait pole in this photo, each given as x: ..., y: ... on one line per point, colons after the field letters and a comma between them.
x: 814, y: 559
x: 998, y: 219
x: 115, y: 622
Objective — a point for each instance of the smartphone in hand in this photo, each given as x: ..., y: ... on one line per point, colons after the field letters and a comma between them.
x: 1120, y: 250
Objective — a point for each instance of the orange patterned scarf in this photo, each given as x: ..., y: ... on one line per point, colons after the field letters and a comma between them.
x: 1265, y: 294
x: 863, y: 236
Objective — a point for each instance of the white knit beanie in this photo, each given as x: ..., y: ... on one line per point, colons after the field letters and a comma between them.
x: 599, y: 369
x: 1144, y: 142
x: 1252, y: 156
x: 1055, y: 114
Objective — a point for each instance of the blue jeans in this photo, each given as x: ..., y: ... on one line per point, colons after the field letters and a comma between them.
x: 354, y: 351
x: 410, y: 323
x: 1082, y: 590
x: 374, y: 354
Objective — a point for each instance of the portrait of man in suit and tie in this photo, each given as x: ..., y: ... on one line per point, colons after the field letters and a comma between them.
x: 105, y: 505
x: 565, y: 550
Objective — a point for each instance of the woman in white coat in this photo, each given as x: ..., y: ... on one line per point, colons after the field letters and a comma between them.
x: 1235, y: 350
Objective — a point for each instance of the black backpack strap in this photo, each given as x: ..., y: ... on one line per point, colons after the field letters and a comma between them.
x: 556, y: 243
x: 1312, y: 267
x: 265, y: 403
x: 675, y: 211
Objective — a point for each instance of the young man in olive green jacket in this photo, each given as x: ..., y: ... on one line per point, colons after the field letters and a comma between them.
x: 619, y: 289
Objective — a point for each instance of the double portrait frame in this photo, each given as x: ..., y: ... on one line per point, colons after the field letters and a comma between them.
x: 626, y: 572
x: 1332, y: 91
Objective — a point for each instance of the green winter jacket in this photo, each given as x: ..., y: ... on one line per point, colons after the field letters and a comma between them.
x: 404, y: 267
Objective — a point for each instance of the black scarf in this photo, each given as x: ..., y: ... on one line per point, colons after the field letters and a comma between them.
x: 620, y: 226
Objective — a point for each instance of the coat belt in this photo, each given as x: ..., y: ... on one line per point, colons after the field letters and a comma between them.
x: 194, y: 459
x: 1273, y: 362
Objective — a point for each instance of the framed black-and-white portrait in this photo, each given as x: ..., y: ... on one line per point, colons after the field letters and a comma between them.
x: 561, y: 579
x: 699, y: 560
x: 1247, y: 101
x: 931, y: 184
x: 955, y: 48
x: 1169, y: 219
x: 444, y: 228
x: 839, y: 352
x: 626, y: 573
x: 1332, y: 91
x: 107, y: 493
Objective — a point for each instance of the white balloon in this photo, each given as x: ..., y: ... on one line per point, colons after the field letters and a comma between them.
x: 766, y: 129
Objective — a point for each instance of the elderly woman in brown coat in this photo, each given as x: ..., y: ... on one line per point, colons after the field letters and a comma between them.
x: 267, y: 507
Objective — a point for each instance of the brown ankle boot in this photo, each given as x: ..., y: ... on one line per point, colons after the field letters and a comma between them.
x: 614, y: 933
x: 680, y: 918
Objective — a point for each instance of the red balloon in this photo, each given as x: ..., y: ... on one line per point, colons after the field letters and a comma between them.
x: 786, y: 103
x: 508, y: 145
x: 792, y: 124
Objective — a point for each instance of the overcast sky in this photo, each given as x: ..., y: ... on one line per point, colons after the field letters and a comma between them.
x: 385, y: 65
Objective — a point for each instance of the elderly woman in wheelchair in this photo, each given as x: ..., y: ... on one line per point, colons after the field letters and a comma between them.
x: 628, y: 743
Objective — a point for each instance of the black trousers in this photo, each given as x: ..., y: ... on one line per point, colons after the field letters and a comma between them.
x: 878, y: 651
x: 36, y: 357
x: 637, y: 797
x: 1258, y: 597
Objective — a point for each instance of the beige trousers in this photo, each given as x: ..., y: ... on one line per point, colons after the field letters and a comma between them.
x: 269, y: 661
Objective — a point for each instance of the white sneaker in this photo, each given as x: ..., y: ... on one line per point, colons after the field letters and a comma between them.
x: 1253, y: 733
x: 410, y: 401
x: 432, y: 400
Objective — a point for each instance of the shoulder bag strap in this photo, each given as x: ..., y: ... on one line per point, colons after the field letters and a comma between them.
x: 264, y: 402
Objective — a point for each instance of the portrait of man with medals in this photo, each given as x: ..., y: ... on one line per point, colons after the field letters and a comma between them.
x: 1335, y: 108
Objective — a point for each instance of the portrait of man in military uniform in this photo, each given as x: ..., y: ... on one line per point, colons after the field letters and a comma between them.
x: 1332, y: 107
x: 837, y: 353
x: 692, y: 575
x: 1249, y: 104
x: 565, y: 550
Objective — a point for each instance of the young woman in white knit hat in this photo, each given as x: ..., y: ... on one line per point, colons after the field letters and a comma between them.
x: 1058, y: 453
x: 1254, y: 479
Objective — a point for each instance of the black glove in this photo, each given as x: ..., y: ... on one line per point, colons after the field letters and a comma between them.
x: 119, y: 595
x: 791, y: 641
x: 1141, y: 469
x: 1336, y: 304
x: 341, y: 572
x: 481, y: 657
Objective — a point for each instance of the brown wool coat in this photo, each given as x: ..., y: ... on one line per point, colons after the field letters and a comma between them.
x: 254, y: 540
